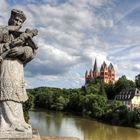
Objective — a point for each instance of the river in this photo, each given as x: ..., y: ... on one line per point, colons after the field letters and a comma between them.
x: 62, y: 124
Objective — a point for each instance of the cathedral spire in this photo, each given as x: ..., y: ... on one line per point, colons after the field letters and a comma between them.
x: 86, y: 74
x: 111, y: 67
x: 95, y: 67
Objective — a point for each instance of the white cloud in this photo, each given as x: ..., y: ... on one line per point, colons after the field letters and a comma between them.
x: 95, y: 3
x: 56, y: 55
x: 3, y: 6
x: 133, y: 29
x: 72, y: 34
x: 136, y: 67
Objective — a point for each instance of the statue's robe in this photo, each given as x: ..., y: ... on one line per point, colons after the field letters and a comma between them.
x: 12, y: 90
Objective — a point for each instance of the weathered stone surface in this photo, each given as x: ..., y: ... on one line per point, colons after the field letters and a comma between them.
x: 35, y: 136
x: 16, y: 134
x: 16, y: 49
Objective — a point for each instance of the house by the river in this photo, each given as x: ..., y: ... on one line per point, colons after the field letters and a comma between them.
x: 129, y: 97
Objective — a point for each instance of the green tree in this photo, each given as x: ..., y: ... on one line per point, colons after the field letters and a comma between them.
x: 41, y: 100
x: 74, y: 100
x: 110, y: 91
x: 59, y: 104
x: 28, y: 105
x: 102, y: 89
x: 123, y: 83
x: 93, y: 105
x: 93, y: 87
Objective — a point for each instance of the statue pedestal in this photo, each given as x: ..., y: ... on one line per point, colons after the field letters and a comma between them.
x: 8, y: 135
x: 29, y: 135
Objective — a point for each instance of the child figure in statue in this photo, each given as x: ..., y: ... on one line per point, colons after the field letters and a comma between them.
x: 17, y: 42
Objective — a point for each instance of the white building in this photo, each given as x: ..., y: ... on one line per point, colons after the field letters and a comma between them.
x: 129, y: 97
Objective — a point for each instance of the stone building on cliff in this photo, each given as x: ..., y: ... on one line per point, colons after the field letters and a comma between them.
x: 106, y: 73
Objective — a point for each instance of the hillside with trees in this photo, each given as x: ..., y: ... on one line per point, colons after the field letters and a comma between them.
x: 94, y: 100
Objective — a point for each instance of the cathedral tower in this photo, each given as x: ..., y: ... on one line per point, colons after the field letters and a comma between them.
x: 111, y: 73
x: 106, y: 74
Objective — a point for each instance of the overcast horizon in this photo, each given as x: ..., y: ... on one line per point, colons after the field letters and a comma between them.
x: 73, y: 33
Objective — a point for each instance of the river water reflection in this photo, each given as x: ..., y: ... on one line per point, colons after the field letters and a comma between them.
x: 60, y: 124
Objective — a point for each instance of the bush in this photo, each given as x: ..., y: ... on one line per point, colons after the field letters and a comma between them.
x: 27, y: 106
x: 93, y: 105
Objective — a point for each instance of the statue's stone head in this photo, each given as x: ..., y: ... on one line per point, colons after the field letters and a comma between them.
x: 17, y: 18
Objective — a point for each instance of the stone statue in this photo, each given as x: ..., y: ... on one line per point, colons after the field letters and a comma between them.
x: 16, y: 49
x: 19, y: 41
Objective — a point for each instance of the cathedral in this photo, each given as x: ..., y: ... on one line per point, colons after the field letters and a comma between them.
x: 106, y: 73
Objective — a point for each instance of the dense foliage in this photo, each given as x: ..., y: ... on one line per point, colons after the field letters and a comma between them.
x: 28, y: 105
x: 90, y: 100
x: 122, y: 83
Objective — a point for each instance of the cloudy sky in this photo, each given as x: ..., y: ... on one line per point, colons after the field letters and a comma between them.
x: 72, y: 33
